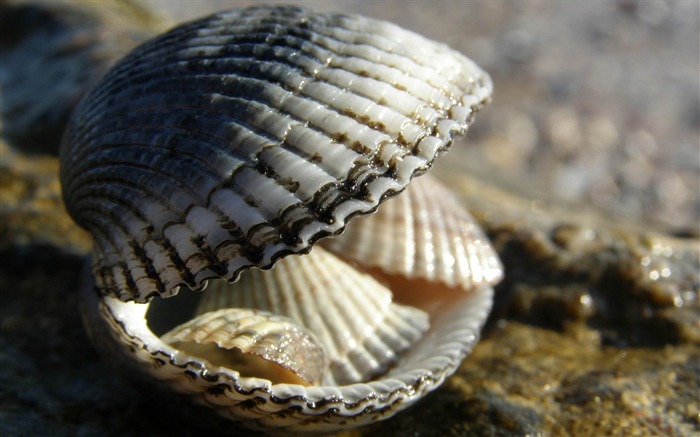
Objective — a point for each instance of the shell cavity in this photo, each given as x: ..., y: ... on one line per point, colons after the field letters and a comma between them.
x: 255, y: 343
x: 119, y: 329
x: 362, y: 331
x: 237, y: 139
x: 424, y: 233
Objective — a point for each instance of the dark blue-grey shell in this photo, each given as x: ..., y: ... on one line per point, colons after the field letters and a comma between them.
x: 234, y: 140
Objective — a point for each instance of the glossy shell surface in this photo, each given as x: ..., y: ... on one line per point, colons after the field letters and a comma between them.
x: 234, y: 141
x: 353, y: 315
x: 250, y: 339
x: 424, y: 233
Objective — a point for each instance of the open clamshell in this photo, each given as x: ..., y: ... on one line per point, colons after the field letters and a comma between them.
x: 233, y: 141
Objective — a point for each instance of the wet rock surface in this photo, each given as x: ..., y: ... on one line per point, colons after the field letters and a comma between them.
x: 595, y: 330
x: 634, y: 287
x: 50, y: 55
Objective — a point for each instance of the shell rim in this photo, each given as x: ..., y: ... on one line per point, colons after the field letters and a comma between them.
x: 335, y: 404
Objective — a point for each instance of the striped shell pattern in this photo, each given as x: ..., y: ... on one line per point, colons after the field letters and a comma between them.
x: 234, y: 140
x: 238, y: 141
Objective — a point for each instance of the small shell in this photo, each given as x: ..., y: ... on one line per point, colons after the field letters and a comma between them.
x: 350, y: 313
x: 234, y: 338
x: 424, y: 233
x: 243, y: 137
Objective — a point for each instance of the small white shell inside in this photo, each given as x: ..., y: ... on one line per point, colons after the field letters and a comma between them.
x: 351, y: 314
x: 255, y: 343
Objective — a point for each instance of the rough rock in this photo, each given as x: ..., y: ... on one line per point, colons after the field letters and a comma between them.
x: 51, y: 53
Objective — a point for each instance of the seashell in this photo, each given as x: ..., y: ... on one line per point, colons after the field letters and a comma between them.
x: 424, y: 233
x: 246, y: 136
x: 236, y: 140
x: 255, y: 342
x: 119, y: 329
x: 351, y: 313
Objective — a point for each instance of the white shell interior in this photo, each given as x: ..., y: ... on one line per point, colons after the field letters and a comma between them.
x: 455, y: 328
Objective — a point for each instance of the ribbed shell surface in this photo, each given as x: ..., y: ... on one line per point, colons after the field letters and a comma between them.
x: 362, y: 331
x: 424, y: 233
x: 234, y: 140
x: 274, y: 338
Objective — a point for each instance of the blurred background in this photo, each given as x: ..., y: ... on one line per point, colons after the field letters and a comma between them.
x: 596, y: 105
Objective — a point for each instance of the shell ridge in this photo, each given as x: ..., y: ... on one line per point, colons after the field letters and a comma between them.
x: 137, y: 232
x: 373, y: 198
x: 453, y: 251
x: 334, y: 278
x: 341, y: 322
x: 349, y: 50
x: 308, y: 55
x: 428, y: 204
x: 424, y: 67
x: 424, y: 236
x: 216, y: 106
x: 183, y: 276
x: 181, y: 34
x: 325, y: 316
x: 108, y: 248
x: 326, y: 132
x: 388, y: 150
x: 330, y: 61
x: 312, y: 35
x: 203, y: 111
x: 410, y: 258
x: 462, y: 264
x: 106, y: 198
x: 135, y: 254
x: 370, y: 126
x: 113, y: 154
x: 123, y: 183
x: 474, y: 258
x: 115, y: 231
x: 175, y: 61
x: 305, y: 316
x: 459, y: 246
x: 286, y: 292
